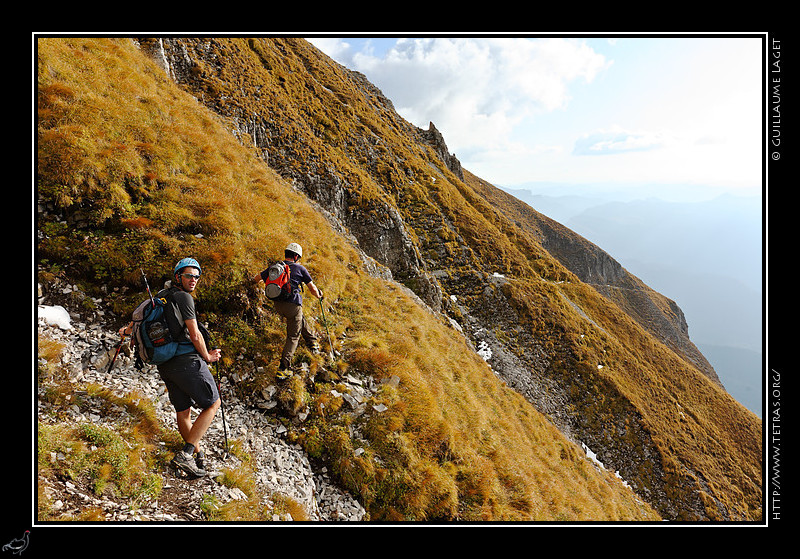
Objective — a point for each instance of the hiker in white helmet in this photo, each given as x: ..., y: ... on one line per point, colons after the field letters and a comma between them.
x: 290, y: 307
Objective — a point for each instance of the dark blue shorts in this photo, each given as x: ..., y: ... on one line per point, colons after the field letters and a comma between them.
x: 189, y: 382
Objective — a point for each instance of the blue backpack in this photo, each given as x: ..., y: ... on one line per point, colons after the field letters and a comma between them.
x: 152, y: 337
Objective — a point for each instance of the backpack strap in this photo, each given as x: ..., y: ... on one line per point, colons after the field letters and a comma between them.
x: 174, y: 317
x: 300, y: 284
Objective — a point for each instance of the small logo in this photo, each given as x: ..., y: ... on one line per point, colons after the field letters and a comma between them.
x: 18, y: 545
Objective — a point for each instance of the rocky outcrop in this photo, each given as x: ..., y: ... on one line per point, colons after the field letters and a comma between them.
x: 281, y: 468
x: 409, y: 244
x: 434, y: 138
x: 376, y: 224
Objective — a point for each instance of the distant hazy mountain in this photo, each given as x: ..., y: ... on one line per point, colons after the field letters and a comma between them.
x: 738, y: 365
x: 425, y: 268
x: 706, y: 255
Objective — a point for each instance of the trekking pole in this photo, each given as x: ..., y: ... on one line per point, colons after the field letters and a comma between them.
x: 325, y: 321
x: 114, y: 359
x: 222, y: 407
x: 147, y: 285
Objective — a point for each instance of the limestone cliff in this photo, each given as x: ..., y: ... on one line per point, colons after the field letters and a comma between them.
x: 274, y: 140
x: 468, y: 250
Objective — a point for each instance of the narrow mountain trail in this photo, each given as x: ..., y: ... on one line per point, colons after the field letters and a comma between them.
x: 280, y: 468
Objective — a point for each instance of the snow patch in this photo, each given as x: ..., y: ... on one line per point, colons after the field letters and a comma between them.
x: 593, y: 457
x: 55, y: 316
x: 484, y: 351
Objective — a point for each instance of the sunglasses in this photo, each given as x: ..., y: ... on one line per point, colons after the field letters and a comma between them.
x: 191, y: 276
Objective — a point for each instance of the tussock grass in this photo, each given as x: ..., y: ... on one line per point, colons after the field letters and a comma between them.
x: 144, y: 175
x: 117, y: 462
x: 120, y: 461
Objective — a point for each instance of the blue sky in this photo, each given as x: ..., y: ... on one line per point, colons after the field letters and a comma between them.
x: 627, y: 111
x: 611, y: 119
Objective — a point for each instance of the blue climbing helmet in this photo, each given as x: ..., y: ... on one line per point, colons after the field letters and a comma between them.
x: 187, y: 263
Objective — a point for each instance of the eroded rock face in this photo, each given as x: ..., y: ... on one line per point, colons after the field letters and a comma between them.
x: 376, y: 226
x: 381, y: 232
x: 280, y: 467
x: 433, y: 137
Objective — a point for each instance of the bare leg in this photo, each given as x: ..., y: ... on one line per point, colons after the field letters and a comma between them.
x: 192, y: 433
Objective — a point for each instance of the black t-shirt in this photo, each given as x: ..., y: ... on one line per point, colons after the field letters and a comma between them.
x: 183, y: 310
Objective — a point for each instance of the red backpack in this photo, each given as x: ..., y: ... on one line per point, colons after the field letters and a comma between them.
x: 278, y: 287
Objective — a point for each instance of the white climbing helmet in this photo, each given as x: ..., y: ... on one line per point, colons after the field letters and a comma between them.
x: 295, y: 248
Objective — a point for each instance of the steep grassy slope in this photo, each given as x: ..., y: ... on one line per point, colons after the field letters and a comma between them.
x: 609, y: 378
x: 657, y: 314
x: 133, y: 172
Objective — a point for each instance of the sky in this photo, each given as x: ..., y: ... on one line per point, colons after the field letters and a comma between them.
x: 623, y: 112
x: 611, y: 120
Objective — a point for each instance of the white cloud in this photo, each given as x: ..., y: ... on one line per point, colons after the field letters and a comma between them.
x: 515, y: 110
x: 334, y: 47
x: 475, y: 90
x: 617, y: 141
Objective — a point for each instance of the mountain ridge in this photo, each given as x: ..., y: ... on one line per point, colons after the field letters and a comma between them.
x: 703, y: 254
x: 659, y: 315
x: 590, y: 368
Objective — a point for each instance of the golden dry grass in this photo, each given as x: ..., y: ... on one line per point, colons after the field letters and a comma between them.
x: 155, y: 176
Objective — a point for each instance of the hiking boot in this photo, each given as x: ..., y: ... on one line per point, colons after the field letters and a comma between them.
x: 184, y: 462
x: 199, y: 460
x: 284, y: 371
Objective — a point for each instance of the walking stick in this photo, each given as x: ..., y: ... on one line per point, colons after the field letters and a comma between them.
x: 325, y: 321
x: 222, y: 407
x: 119, y: 347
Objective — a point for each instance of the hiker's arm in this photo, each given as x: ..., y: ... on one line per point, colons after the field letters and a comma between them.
x: 126, y: 330
x: 314, y: 290
x: 256, y: 278
x: 199, y: 342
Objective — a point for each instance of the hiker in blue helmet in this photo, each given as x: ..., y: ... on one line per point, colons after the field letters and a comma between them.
x: 187, y: 376
x: 187, y: 263
x: 291, y: 308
